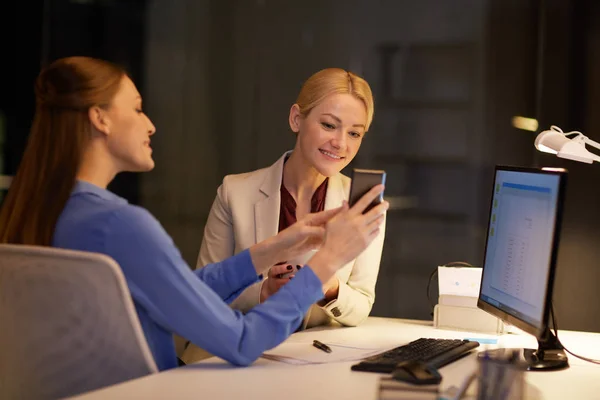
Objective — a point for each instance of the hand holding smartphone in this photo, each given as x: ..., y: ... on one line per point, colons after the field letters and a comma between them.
x: 362, y: 181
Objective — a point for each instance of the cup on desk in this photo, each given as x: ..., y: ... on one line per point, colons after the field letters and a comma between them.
x: 299, y: 261
x: 501, y: 375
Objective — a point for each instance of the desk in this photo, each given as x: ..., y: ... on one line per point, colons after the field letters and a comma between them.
x: 215, y: 379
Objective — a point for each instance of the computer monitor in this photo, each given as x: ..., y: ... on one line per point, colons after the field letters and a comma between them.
x: 520, y: 256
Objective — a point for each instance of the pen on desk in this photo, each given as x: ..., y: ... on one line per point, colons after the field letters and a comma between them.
x: 321, y: 346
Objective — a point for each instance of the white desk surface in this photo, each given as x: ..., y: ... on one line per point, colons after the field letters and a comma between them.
x: 215, y: 379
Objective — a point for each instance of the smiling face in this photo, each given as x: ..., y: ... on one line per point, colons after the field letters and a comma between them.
x: 331, y: 134
x: 129, y: 130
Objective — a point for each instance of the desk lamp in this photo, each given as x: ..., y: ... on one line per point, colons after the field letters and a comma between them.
x: 555, y: 141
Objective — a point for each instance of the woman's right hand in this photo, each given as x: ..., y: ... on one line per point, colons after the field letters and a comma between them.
x: 348, y: 234
x: 305, y: 235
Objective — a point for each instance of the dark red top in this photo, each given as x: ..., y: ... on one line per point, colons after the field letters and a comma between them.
x: 287, y: 210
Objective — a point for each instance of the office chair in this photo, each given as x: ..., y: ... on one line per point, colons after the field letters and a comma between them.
x: 67, y: 324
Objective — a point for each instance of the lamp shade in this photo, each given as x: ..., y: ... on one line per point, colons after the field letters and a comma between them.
x: 555, y: 142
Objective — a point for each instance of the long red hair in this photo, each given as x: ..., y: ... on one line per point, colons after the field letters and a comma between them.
x: 61, y: 129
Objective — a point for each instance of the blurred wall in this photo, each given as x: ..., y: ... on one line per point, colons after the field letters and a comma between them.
x: 179, y: 190
x: 447, y: 76
x: 218, y: 78
x: 570, y: 99
x: 428, y: 128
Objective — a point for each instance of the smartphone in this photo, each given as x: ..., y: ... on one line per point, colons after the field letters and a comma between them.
x: 362, y: 181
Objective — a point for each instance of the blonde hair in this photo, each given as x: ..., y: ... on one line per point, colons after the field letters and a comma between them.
x: 335, y: 81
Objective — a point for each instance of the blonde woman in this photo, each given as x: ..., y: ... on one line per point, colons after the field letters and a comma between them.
x: 330, y: 118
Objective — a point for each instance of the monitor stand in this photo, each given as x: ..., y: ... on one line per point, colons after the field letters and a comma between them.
x: 549, y: 356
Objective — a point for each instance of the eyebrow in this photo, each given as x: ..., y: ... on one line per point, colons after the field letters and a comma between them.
x: 340, y: 121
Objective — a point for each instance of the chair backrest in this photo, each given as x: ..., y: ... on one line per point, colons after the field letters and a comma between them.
x: 67, y: 324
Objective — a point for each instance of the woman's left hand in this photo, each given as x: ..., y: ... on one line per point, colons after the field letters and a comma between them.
x: 275, y: 279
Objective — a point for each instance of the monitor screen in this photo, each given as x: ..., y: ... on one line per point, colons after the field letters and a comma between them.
x: 521, y: 246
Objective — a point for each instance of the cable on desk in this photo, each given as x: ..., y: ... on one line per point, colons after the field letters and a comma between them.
x: 434, y: 272
x: 555, y: 325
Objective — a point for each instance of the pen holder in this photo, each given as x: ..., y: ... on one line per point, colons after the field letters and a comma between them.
x: 501, y: 375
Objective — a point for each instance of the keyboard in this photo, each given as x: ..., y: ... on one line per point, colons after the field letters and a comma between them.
x: 434, y: 352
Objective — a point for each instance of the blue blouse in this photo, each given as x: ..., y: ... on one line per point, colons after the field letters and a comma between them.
x: 171, y: 298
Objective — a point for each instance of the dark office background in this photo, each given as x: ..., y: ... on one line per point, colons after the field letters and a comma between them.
x: 218, y: 77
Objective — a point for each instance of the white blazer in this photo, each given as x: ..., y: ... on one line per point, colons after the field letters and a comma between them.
x: 246, y: 211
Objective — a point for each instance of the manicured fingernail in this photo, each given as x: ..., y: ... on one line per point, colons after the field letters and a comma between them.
x: 289, y: 267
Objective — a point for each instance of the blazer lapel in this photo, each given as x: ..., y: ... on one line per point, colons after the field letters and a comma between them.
x: 266, y: 211
x: 333, y: 198
x: 335, y: 192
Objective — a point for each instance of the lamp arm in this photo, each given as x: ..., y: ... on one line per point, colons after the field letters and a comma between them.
x: 592, y: 143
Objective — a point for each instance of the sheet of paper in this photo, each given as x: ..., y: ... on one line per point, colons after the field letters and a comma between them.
x: 306, y: 353
x: 349, y: 337
x: 459, y: 281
